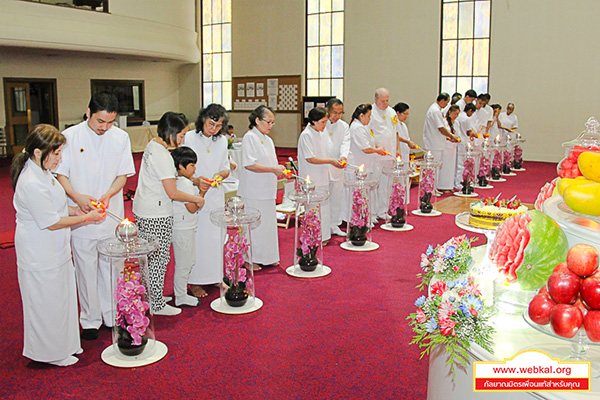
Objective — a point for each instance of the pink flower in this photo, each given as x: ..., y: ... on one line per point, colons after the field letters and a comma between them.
x: 445, y: 310
x: 310, y: 232
x: 421, y: 317
x: 235, y: 249
x: 447, y: 327
x: 396, y: 198
x: 360, y: 208
x: 497, y: 161
x: 427, y: 180
x: 484, y: 166
x: 469, y: 171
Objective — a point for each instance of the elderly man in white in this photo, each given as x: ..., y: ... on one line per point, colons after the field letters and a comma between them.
x: 338, y: 147
x: 435, y: 133
x: 383, y: 124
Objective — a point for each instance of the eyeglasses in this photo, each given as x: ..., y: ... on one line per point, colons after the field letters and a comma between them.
x: 212, y: 124
x: 268, y: 122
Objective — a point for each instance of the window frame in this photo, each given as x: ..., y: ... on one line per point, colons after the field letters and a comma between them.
x: 132, y: 116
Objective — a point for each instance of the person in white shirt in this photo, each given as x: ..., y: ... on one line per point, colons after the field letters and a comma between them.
x: 497, y: 129
x: 470, y: 96
x: 448, y: 166
x: 185, y: 225
x: 435, y: 130
x: 509, y: 119
x: 210, y: 146
x: 258, y: 184
x: 466, y: 134
x: 153, y: 204
x: 42, y: 243
x: 96, y: 162
x: 480, y: 120
x: 490, y: 112
x: 314, y: 162
x: 404, y: 144
x: 338, y: 147
x: 383, y: 124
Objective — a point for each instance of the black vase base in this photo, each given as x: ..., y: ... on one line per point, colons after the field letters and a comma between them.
x: 236, y: 299
x: 131, y: 350
x: 308, y: 266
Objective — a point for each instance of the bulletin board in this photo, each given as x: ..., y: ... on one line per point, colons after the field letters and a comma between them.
x: 282, y: 93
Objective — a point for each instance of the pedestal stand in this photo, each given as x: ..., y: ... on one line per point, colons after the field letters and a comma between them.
x: 358, y: 233
x: 237, y: 295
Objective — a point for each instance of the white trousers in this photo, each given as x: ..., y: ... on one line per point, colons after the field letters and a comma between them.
x: 325, y: 214
x: 448, y: 167
x: 460, y: 168
x: 336, y: 199
x: 184, y: 252
x: 50, y: 327
x: 265, y: 241
x: 93, y: 284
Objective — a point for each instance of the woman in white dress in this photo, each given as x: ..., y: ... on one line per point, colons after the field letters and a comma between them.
x: 42, y: 242
x: 210, y: 146
x: 403, y: 138
x: 258, y: 184
x: 153, y: 203
x: 448, y: 167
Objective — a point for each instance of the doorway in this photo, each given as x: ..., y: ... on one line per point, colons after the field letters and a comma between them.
x: 28, y: 102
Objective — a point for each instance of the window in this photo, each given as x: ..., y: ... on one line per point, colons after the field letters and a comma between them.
x: 465, y: 45
x: 129, y: 93
x: 216, y: 52
x: 325, y: 48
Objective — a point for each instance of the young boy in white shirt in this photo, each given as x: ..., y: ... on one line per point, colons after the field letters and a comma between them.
x: 185, y: 223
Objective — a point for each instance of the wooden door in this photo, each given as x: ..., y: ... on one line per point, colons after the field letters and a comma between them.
x: 18, y: 114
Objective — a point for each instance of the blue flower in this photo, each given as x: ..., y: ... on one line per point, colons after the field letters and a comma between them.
x: 471, y: 302
x: 431, y: 325
x: 429, y: 250
x: 420, y: 301
x: 463, y: 282
x: 450, y: 284
x: 451, y: 298
x: 450, y: 252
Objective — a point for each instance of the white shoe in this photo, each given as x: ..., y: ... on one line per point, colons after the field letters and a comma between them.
x: 65, y: 362
x: 187, y: 300
x: 168, y: 311
x: 337, y: 231
x: 80, y: 351
x: 167, y: 298
x: 382, y: 216
x: 374, y: 220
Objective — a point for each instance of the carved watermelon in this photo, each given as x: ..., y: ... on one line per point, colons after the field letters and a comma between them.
x: 547, y: 191
x: 527, y: 248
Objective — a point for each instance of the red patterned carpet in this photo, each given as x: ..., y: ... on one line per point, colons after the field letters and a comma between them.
x: 344, y: 336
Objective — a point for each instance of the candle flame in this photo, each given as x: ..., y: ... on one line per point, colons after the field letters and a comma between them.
x: 497, y: 139
x: 307, y: 178
x: 398, y: 159
x: 126, y: 221
x: 362, y: 166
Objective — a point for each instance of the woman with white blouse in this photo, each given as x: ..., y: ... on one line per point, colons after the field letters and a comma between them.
x: 153, y: 203
x: 210, y: 146
x: 258, y: 184
x: 42, y: 242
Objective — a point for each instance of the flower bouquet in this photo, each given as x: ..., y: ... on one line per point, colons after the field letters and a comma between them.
x: 507, y: 161
x: 496, y: 164
x: 452, y: 315
x: 468, y: 175
x: 230, y: 141
x: 484, y: 171
x: 396, y: 208
x: 238, y: 281
x: 310, y: 240
x: 426, y: 187
x: 448, y: 261
x: 131, y: 320
x: 359, y: 221
x: 517, y: 157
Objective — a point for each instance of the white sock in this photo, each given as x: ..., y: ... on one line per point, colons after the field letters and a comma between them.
x: 187, y: 300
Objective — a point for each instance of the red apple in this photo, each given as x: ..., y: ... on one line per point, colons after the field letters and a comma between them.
x: 563, y: 287
x: 582, y: 259
x: 566, y: 320
x: 539, y: 309
x: 590, y: 291
x: 544, y: 290
x: 562, y: 267
x: 591, y: 323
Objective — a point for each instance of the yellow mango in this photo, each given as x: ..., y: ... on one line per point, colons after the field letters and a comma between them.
x: 589, y: 165
x: 584, y: 199
x: 566, y: 182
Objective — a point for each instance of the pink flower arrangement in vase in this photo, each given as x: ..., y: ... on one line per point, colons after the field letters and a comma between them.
x: 468, y: 175
x: 396, y: 206
x: 484, y: 171
x: 517, y: 157
x: 507, y: 161
x: 236, y: 278
x: 359, y: 221
x: 310, y: 240
x: 496, y: 163
x: 131, y: 320
x: 426, y: 187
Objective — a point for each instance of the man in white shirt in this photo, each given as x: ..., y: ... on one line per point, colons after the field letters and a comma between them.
x: 383, y: 124
x: 480, y: 118
x: 96, y: 161
x: 490, y: 112
x: 338, y: 147
x: 464, y: 128
x: 470, y: 95
x: 434, y: 132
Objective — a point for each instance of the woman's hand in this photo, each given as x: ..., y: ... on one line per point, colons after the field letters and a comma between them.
x: 199, y: 202
x: 95, y: 215
x: 278, y: 170
x: 336, y: 163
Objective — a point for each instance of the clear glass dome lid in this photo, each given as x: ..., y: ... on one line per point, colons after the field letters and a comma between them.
x: 589, y: 138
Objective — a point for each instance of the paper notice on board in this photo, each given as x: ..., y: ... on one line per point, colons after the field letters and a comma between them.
x: 273, y: 101
x: 272, y: 87
x: 260, y: 89
x: 250, y: 89
x: 241, y: 89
